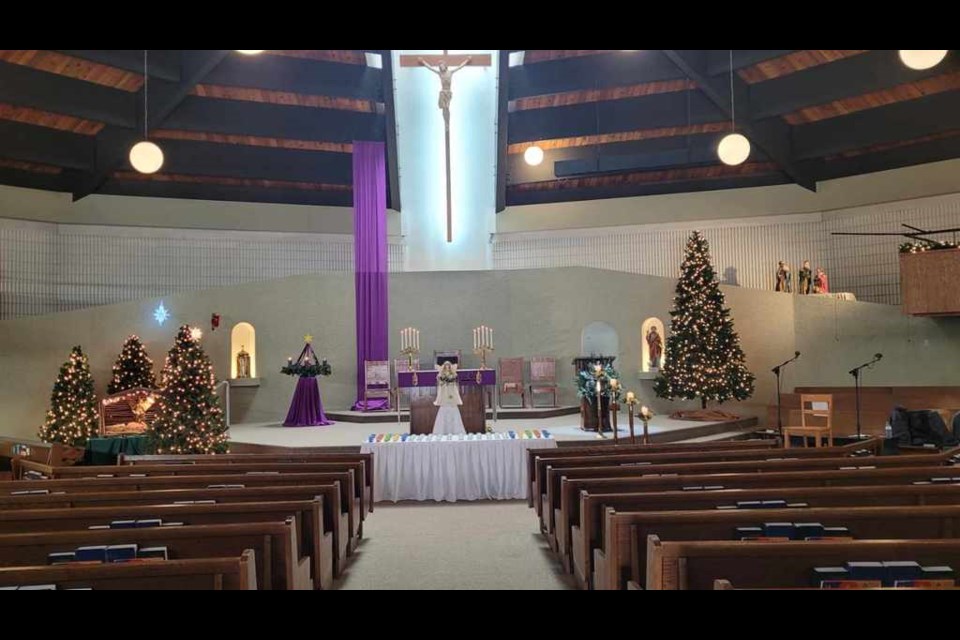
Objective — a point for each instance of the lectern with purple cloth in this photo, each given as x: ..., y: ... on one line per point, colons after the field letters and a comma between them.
x: 306, y: 408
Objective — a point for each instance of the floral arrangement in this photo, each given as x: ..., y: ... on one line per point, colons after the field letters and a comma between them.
x: 924, y: 245
x: 447, y: 376
x: 309, y: 369
x: 609, y: 382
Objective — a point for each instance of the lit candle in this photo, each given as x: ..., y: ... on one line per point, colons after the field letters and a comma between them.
x: 631, y: 397
x: 614, y: 383
x: 598, y: 387
x: 491, y: 340
x: 417, y: 346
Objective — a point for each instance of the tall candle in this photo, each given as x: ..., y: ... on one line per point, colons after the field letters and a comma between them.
x: 418, y: 339
x: 598, y: 389
x: 631, y: 397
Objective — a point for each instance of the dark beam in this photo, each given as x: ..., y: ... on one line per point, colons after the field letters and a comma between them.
x: 212, y: 115
x: 649, y: 112
x: 164, y: 63
x: 718, y: 60
x: 590, y: 72
x: 46, y: 146
x: 854, y: 76
x: 28, y: 87
x: 503, y: 128
x: 904, y: 156
x: 113, y: 143
x: 299, y: 75
x: 228, y: 193
x: 390, y: 129
x: 772, y: 136
x: 32, y: 180
x: 893, y: 123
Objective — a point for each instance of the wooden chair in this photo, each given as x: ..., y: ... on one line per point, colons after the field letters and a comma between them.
x: 377, y: 382
x: 543, y: 378
x: 816, y: 410
x: 511, y: 379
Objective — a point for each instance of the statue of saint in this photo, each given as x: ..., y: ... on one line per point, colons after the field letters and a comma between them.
x: 243, y: 363
x: 820, y: 282
x: 655, y: 347
x: 449, y: 420
x: 784, y: 283
x: 445, y: 74
x: 805, y: 279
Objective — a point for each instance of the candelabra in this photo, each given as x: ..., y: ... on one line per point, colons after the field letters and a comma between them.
x: 410, y: 347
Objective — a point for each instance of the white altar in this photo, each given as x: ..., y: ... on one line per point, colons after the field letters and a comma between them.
x: 491, y: 466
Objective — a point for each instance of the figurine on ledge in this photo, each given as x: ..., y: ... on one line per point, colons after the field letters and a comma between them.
x: 820, y: 282
x: 784, y: 283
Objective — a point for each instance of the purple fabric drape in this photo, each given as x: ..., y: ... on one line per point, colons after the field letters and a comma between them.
x: 370, y: 260
x: 306, y: 409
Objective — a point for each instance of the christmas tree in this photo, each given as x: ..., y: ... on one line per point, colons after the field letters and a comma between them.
x: 72, y: 417
x: 133, y: 368
x: 189, y: 418
x: 703, y: 357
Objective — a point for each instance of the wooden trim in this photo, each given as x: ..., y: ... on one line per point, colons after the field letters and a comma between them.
x: 623, y: 136
x: 534, y: 56
x: 343, y: 56
x: 253, y: 141
x: 568, y: 98
x: 282, y: 98
x: 71, y: 67
x: 669, y: 175
x: 793, y: 63
x: 132, y: 176
x: 49, y: 120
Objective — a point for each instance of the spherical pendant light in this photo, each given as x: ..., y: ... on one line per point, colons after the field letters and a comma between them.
x: 921, y: 59
x: 533, y: 156
x: 734, y: 149
x: 146, y: 157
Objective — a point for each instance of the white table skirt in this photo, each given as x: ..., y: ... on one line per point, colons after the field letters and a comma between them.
x: 447, y: 471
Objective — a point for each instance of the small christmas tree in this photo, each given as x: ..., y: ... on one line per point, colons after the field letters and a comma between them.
x: 189, y: 418
x: 133, y: 368
x: 72, y: 417
x: 703, y: 357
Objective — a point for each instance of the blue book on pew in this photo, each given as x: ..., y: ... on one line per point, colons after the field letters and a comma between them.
x: 748, y: 532
x: 96, y: 553
x: 902, y: 570
x: 937, y: 573
x: 61, y: 557
x: 773, y: 504
x: 797, y: 505
x: 123, y: 524
x: 867, y: 571
x: 808, y: 530
x: 748, y: 504
x: 822, y: 574
x: 779, y: 530
x: 153, y: 553
x: 149, y: 522
x: 121, y: 552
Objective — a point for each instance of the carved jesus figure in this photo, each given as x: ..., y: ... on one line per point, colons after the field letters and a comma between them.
x: 445, y: 73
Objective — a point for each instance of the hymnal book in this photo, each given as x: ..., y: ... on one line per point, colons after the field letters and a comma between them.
x: 866, y: 570
x: 902, y: 570
x: 61, y: 557
x: 92, y: 553
x: 216, y: 486
x: 943, y: 480
x: 9, y: 588
x: 937, y: 573
x: 31, y: 492
x: 236, y: 486
x: 851, y: 584
x: 149, y: 522
x: 748, y: 504
x: 807, y: 530
x: 123, y: 524
x: 38, y: 587
x: 828, y: 539
x: 713, y: 487
x: 172, y: 524
x: 778, y: 530
x: 836, y: 532
x: 748, y: 532
x: 773, y: 504
x: 765, y: 539
x: 727, y: 507
x: 797, y: 505
x: 152, y: 553
x: 821, y: 574
x: 692, y: 488
x: 137, y: 475
x: 925, y: 584
x: 97, y: 527
x: 119, y: 552
x: 105, y: 475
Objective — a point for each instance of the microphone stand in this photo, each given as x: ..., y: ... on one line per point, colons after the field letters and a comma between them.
x: 856, y: 382
x: 776, y: 371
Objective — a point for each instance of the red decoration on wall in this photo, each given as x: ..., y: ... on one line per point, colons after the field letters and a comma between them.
x: 214, y: 321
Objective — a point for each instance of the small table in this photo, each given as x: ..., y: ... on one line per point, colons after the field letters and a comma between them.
x: 473, y: 411
x: 105, y: 451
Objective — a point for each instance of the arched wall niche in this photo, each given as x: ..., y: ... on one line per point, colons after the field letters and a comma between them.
x: 599, y: 339
x: 243, y: 337
x: 648, y: 343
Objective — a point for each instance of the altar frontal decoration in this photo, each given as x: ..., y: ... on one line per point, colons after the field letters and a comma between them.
x: 128, y: 412
x: 306, y: 407
x: 72, y: 418
x: 704, y: 359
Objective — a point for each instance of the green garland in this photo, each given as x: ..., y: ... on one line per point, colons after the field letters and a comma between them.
x: 307, y: 370
x: 923, y: 246
x: 587, y: 383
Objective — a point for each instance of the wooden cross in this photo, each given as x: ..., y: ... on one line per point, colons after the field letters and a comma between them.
x: 445, y: 66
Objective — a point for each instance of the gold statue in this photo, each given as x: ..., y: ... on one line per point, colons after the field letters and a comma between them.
x: 243, y: 363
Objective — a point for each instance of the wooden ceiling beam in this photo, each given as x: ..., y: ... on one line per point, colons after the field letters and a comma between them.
x: 299, y: 75
x: 163, y: 63
x: 772, y: 136
x: 228, y: 193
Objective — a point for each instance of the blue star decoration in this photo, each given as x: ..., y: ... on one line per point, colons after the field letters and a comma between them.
x: 161, y: 314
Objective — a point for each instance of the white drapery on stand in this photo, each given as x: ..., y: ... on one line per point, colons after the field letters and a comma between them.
x: 449, y: 421
x: 452, y: 468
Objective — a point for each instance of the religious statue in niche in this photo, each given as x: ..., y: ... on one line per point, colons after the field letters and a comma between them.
x: 445, y: 73
x: 820, y: 282
x: 243, y: 363
x: 655, y: 346
x: 805, y: 279
x: 448, y: 399
x: 784, y: 276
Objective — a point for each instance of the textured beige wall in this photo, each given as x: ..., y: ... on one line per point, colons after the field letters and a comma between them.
x: 538, y: 312
x: 936, y: 178
x: 45, y: 206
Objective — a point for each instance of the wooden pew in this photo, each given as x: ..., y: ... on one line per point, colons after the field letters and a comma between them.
x: 695, y: 565
x: 274, y: 545
x: 590, y: 553
x: 612, y: 449
x: 726, y: 585
x: 307, y: 514
x: 864, y: 523
x: 605, y: 468
x: 218, y: 574
x: 345, y: 478
x: 357, y: 512
x: 233, y: 458
x: 328, y: 564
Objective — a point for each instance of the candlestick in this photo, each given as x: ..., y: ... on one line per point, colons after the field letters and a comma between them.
x: 630, y: 413
x: 614, y: 410
x: 645, y: 416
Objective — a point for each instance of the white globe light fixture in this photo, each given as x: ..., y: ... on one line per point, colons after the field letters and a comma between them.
x: 920, y: 59
x: 533, y: 156
x: 146, y: 157
x: 249, y: 52
x: 734, y: 149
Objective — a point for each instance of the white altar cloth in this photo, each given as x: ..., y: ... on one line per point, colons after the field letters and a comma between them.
x: 448, y: 468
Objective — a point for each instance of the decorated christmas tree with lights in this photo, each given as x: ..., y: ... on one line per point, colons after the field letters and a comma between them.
x: 703, y: 356
x: 190, y: 418
x: 72, y: 417
x: 133, y: 368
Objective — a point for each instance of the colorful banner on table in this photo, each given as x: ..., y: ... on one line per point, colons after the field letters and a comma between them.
x: 529, y: 434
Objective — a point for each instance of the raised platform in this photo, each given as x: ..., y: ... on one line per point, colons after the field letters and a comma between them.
x: 373, y: 417
x: 249, y: 438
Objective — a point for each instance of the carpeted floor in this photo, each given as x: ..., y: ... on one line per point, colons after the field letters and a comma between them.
x: 467, y: 545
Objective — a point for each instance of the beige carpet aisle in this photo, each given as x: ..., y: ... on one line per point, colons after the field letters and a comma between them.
x: 466, y: 545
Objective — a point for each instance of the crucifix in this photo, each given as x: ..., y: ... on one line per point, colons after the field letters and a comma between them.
x: 445, y: 66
